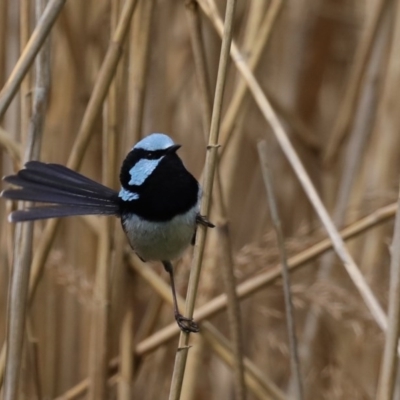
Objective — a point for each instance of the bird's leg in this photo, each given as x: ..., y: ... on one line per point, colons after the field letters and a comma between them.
x: 186, y: 324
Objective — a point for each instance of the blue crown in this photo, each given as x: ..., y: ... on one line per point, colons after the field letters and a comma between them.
x: 155, y: 141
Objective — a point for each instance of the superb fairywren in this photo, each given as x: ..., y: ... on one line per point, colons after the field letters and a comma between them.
x: 158, y: 202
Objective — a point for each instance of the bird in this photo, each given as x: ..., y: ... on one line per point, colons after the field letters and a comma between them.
x: 158, y: 202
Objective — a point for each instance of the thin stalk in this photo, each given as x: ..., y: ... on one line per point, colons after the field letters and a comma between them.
x: 211, y: 161
x: 126, y: 336
x: 389, y: 364
x: 223, y: 234
x: 24, y: 28
x: 48, y: 355
x: 241, y: 89
x: 139, y: 51
x: 33, y: 355
x: 194, y: 366
x: 192, y: 12
x: 385, y: 140
x: 349, y: 103
x: 291, y: 326
x: 127, y: 344
x: 100, y: 325
x: 36, y: 41
x: 195, y: 361
x: 3, y: 42
x: 138, y: 59
x: 17, y: 309
x: 67, y: 33
x: 99, y: 337
x: 123, y: 299
x: 233, y: 303
x: 19, y: 286
x: 301, y: 173
x: 75, y: 391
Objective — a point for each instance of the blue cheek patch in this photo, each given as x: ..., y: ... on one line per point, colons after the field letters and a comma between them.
x: 127, y: 195
x: 142, y: 170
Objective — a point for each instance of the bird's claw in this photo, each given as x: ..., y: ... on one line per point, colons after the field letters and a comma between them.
x: 187, y: 325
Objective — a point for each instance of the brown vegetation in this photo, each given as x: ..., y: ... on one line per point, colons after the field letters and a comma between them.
x: 98, y: 322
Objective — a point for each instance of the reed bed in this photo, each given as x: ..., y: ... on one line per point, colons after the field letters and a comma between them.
x: 317, y: 83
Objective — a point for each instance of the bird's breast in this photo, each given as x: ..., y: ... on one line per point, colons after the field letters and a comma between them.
x: 164, y: 240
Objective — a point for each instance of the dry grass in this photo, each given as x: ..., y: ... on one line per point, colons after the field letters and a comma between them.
x: 96, y: 324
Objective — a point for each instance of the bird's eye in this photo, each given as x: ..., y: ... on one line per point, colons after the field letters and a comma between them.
x: 151, y: 155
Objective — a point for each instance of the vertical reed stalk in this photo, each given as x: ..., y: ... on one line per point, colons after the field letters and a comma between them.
x: 99, y: 338
x: 234, y: 313
x: 25, y: 104
x: 389, y: 364
x: 139, y: 50
x: 385, y: 139
x: 241, y: 89
x: 19, y: 287
x: 126, y: 374
x: 211, y: 161
x: 199, y: 56
x: 36, y: 41
x: 223, y: 234
x: 3, y: 46
x: 294, y: 354
x: 353, y: 87
x: 100, y: 324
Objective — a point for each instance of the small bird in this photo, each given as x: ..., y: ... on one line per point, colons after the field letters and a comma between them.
x: 158, y: 203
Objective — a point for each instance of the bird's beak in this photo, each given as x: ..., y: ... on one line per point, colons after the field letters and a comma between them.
x: 174, y: 148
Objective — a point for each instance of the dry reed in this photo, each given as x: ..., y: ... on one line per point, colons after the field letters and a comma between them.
x: 290, y: 317
x: 97, y: 322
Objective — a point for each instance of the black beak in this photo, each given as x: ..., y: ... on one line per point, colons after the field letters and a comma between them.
x: 174, y: 148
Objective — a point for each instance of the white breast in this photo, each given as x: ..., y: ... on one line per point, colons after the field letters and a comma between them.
x: 160, y: 241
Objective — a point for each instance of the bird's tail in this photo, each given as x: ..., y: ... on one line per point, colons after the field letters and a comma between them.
x: 70, y: 193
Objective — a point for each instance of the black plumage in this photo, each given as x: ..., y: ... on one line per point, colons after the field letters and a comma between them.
x: 169, y: 191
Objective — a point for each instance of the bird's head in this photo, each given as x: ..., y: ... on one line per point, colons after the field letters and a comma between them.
x: 141, y: 162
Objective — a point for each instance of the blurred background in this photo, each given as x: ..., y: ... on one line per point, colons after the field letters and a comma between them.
x: 330, y: 69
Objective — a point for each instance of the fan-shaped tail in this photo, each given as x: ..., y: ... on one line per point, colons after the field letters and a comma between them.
x: 70, y: 193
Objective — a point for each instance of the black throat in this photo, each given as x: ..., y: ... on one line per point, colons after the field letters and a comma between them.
x: 169, y: 190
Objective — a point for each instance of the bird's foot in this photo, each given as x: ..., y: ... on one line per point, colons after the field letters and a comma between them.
x: 186, y: 324
x: 202, y: 220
